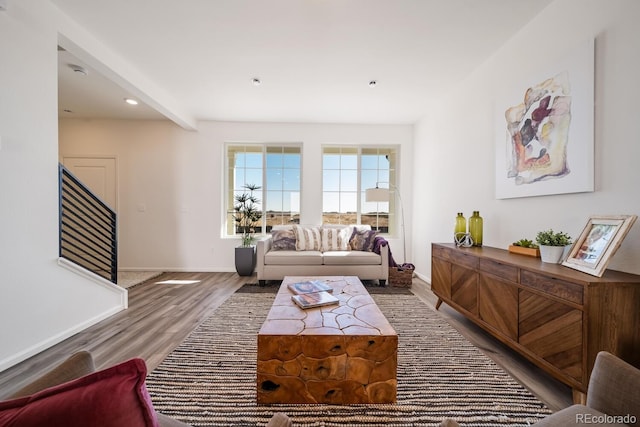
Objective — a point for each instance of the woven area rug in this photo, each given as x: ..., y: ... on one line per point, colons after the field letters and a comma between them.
x: 273, y: 286
x: 210, y: 380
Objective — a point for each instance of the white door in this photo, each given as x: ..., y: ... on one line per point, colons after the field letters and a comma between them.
x: 97, y: 173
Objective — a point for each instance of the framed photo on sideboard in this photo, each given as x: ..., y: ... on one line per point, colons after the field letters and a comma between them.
x: 597, y: 243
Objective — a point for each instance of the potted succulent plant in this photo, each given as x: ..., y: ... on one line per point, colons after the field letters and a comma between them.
x: 246, y: 215
x: 552, y: 245
x: 525, y: 247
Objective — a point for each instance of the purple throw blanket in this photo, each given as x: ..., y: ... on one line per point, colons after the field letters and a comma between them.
x: 380, y: 242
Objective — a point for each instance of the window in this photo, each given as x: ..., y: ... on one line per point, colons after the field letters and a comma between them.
x: 347, y: 173
x: 274, y: 168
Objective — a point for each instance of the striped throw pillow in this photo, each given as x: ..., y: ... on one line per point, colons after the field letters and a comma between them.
x: 335, y: 239
x: 307, y: 238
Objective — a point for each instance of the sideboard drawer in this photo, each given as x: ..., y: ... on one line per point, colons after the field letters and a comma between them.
x: 499, y: 269
x: 440, y: 252
x: 465, y: 259
x: 566, y: 290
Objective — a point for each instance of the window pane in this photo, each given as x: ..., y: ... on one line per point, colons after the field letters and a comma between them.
x: 349, y: 203
x: 331, y: 161
x: 331, y: 202
x: 274, y: 201
x: 274, y: 160
x: 369, y: 162
x: 253, y: 177
x: 373, y: 207
x: 291, y: 179
x: 238, y: 179
x: 253, y: 160
x: 294, y: 201
x: 239, y: 160
x: 292, y: 160
x: 349, y: 180
x: 369, y: 179
x: 274, y: 179
x: 331, y: 180
x: 349, y: 162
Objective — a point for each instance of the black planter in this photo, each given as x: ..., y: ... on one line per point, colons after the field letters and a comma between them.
x: 245, y: 260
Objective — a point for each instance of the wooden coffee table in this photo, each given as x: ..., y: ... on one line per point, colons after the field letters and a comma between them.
x: 337, y: 354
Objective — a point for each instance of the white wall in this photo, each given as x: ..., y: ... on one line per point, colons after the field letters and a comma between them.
x: 454, y: 143
x: 177, y: 176
x: 40, y: 302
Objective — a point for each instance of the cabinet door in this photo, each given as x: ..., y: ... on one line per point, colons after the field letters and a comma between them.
x: 553, y: 331
x: 464, y: 288
x: 441, y: 278
x: 498, y: 304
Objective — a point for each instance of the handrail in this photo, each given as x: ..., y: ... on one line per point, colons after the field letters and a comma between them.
x: 87, y: 228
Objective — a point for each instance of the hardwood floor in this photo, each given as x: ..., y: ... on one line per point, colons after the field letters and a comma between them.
x: 160, y: 316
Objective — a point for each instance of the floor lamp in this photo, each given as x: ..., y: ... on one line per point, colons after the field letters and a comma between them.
x: 383, y: 195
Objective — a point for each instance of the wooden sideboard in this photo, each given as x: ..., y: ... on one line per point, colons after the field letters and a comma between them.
x: 556, y: 317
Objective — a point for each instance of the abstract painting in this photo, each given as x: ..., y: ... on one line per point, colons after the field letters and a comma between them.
x: 545, y: 131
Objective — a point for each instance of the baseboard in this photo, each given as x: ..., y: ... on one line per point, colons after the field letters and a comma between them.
x: 56, y: 339
x: 75, y: 268
x: 423, y: 277
x: 182, y: 269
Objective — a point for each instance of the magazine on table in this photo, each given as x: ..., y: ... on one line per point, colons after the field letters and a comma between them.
x: 309, y: 286
x: 314, y: 299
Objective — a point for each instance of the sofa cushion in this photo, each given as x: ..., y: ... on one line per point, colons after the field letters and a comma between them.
x: 293, y: 258
x: 283, y: 240
x: 113, y: 397
x: 335, y: 239
x: 307, y: 238
x: 351, y: 258
x: 362, y: 240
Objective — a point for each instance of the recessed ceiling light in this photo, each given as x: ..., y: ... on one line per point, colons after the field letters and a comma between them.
x: 131, y: 101
x: 256, y: 81
x: 373, y: 83
x: 78, y: 69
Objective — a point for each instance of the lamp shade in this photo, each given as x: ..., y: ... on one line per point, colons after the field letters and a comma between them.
x: 377, y: 194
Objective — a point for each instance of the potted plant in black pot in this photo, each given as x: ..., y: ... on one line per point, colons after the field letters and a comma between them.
x: 247, y: 215
x: 552, y: 245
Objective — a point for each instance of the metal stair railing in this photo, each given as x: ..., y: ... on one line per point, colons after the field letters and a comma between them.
x: 87, y: 228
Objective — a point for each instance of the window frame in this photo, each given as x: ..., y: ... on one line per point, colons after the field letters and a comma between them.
x: 229, y: 192
x: 390, y: 182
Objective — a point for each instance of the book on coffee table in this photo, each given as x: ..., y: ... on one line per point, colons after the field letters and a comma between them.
x: 309, y: 286
x: 314, y: 299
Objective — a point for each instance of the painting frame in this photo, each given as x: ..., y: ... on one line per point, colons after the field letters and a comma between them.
x: 531, y: 160
x: 599, y: 240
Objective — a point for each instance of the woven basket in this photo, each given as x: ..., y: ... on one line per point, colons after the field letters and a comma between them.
x: 400, y: 278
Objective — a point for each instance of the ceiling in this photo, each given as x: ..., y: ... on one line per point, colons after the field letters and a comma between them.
x: 315, y: 58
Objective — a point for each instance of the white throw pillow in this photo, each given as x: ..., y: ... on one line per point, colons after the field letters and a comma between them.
x: 335, y: 239
x: 307, y: 238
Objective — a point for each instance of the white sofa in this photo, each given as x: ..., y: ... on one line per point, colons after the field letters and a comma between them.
x: 276, y: 264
